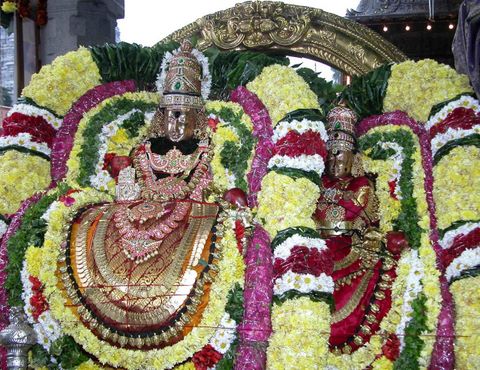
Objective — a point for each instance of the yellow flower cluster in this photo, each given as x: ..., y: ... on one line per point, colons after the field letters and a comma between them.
x: 467, y: 326
x: 88, y: 365
x: 21, y: 176
x: 282, y: 91
x: 34, y: 260
x: 231, y: 270
x: 382, y: 363
x: 415, y: 87
x: 285, y: 202
x: 389, y: 207
x: 59, y: 84
x: 456, y: 184
x: 118, y: 143
x: 9, y: 7
x: 301, y: 329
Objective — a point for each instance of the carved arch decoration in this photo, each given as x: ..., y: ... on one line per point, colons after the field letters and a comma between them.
x: 293, y: 30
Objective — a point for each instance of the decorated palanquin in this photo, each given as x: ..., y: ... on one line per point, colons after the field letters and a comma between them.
x: 170, y: 208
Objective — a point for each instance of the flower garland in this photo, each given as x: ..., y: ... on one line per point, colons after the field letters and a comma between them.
x: 262, y: 131
x: 14, y: 184
x: 414, y: 87
x: 282, y: 91
x: 230, y: 272
x: 24, y: 140
x: 457, y: 180
x: 449, y: 238
x: 467, y: 326
x: 33, y: 111
x: 63, y: 142
x: 232, y: 144
x: 85, y: 154
x: 468, y: 259
x: 62, y: 82
x: 300, y: 339
x: 285, y: 202
x: 465, y: 101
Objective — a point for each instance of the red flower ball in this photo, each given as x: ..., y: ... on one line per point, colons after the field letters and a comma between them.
x: 207, y: 357
x: 391, y: 348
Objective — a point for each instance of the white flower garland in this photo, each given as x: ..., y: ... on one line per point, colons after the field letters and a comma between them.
x: 3, y: 228
x: 52, y: 207
x: 464, y: 101
x: 224, y: 335
x: 24, y: 140
x: 304, y: 283
x: 202, y: 59
x: 413, y: 287
x: 284, y: 127
x: 397, y: 159
x: 283, y: 250
x: 47, y: 328
x: 468, y: 259
x: 447, y: 240
x: 302, y: 162
x: 101, y: 178
x: 451, y: 134
x: 30, y: 110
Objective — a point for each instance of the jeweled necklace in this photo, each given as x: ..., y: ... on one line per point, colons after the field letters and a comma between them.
x: 171, y: 187
x: 138, y: 242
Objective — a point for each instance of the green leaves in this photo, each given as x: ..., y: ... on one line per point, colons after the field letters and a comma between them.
x: 31, y: 232
x: 326, y: 91
x: 124, y: 61
x: 473, y: 140
x: 366, y: 93
x: 413, y: 342
x: 235, y: 155
x: 88, y: 156
x: 236, y: 68
x: 234, y: 306
x: 68, y: 352
x: 408, y: 217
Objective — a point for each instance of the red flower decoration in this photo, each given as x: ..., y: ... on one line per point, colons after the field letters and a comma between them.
x: 392, y: 185
x: 207, y: 357
x: 294, y: 144
x: 115, y: 163
x: 239, y: 234
x: 37, y: 300
x: 391, y: 348
x: 304, y: 260
x: 212, y: 123
x: 67, y: 199
x: 40, y: 130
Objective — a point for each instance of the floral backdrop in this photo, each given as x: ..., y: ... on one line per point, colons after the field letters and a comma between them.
x: 419, y: 136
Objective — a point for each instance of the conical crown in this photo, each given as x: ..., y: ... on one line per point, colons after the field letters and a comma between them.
x: 183, y: 83
x: 341, y: 129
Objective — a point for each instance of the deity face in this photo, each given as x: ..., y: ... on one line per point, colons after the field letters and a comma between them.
x: 339, y: 163
x: 179, y: 123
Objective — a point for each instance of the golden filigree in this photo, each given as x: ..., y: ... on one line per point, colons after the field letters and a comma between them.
x: 294, y: 30
x: 256, y: 24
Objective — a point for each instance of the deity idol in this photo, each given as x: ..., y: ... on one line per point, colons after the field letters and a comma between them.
x: 364, y: 260
x: 140, y: 268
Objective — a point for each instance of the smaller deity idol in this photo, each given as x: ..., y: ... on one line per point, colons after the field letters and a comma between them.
x: 347, y: 218
x: 142, y: 266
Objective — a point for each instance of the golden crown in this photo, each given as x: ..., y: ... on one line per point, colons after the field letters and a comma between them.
x: 341, y: 129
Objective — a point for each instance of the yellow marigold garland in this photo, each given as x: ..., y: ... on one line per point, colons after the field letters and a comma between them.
x: 62, y: 82
x: 456, y: 184
x: 301, y: 339
x: 117, y: 142
x: 415, y: 87
x: 285, y: 202
x: 231, y: 269
x: 467, y: 326
x: 22, y: 175
x: 282, y: 91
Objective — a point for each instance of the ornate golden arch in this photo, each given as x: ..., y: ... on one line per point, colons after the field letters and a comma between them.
x: 294, y: 30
